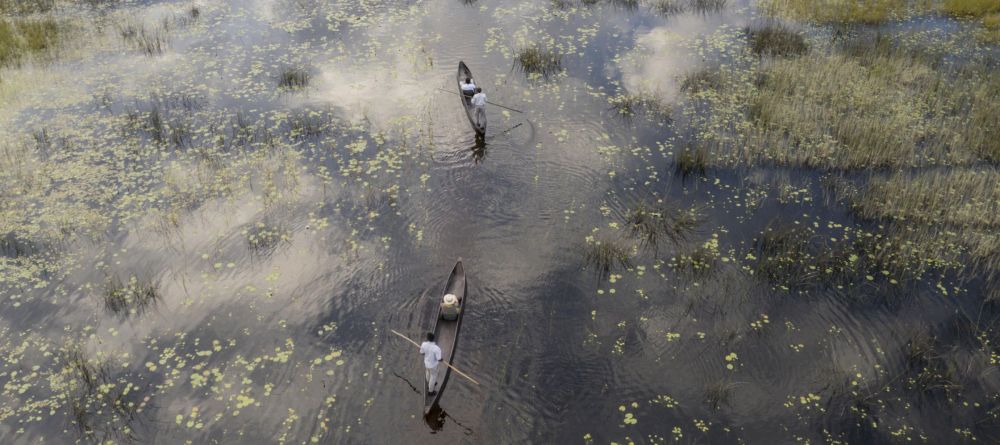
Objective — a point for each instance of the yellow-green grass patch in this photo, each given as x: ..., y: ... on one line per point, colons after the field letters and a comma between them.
x: 836, y: 11
x: 970, y: 8
x: 22, y: 37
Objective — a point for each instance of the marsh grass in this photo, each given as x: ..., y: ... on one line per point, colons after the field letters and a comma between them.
x: 857, y: 110
x: 691, y: 160
x: 627, y: 5
x: 149, y: 41
x: 704, y: 79
x: 787, y: 257
x: 20, y: 7
x: 669, y: 8
x: 648, y: 104
x: 608, y: 255
x: 131, y: 298
x: 970, y: 8
x: 836, y: 11
x: 775, y: 40
x: 263, y: 238
x: 955, y: 197
x: 652, y: 224
x: 991, y: 29
x: 308, y: 124
x: 945, y: 218
x: 707, y: 6
x: 22, y: 37
x: 534, y: 59
x: 293, y: 78
x: 102, y: 408
x: 696, y: 262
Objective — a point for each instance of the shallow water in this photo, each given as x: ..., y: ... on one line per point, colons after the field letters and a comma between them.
x: 291, y: 342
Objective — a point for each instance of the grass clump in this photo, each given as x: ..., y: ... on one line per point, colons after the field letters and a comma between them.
x: 649, y: 104
x: 263, y: 238
x: 692, y: 161
x: 707, y: 6
x: 293, y: 78
x: 538, y: 61
x: 836, y: 11
x: 102, y: 407
x: 148, y: 41
x: 653, y: 224
x: 668, y: 8
x: 22, y: 37
x: 704, y: 79
x: 607, y: 255
x: 776, y: 40
x: 698, y: 261
x: 130, y: 298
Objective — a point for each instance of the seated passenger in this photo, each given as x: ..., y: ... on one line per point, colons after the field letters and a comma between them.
x: 468, y: 88
x: 449, y: 307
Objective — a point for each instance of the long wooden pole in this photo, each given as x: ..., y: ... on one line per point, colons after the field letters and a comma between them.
x: 491, y: 103
x: 446, y: 363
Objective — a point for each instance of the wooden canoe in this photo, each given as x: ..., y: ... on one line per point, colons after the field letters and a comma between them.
x: 470, y: 111
x: 446, y: 333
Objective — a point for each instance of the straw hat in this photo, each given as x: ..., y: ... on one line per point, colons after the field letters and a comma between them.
x: 450, y: 299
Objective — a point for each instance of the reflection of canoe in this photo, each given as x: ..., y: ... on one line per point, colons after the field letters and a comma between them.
x: 446, y: 333
x: 470, y: 111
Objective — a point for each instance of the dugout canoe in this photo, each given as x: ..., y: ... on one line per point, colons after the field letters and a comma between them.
x: 446, y: 333
x: 470, y: 111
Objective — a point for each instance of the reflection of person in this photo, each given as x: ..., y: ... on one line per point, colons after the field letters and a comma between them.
x: 432, y: 356
x: 479, y: 101
x: 468, y: 88
x: 449, y: 307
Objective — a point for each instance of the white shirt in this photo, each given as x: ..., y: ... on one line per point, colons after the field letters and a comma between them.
x: 432, y: 354
x: 468, y: 87
x: 479, y: 100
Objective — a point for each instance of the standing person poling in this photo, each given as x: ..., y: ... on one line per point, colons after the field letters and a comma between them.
x: 432, y: 356
x: 479, y: 102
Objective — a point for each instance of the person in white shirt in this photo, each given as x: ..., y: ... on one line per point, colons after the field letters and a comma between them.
x: 468, y: 88
x: 479, y: 101
x: 432, y: 356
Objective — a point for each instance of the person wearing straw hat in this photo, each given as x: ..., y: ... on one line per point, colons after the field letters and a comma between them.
x: 449, y: 307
